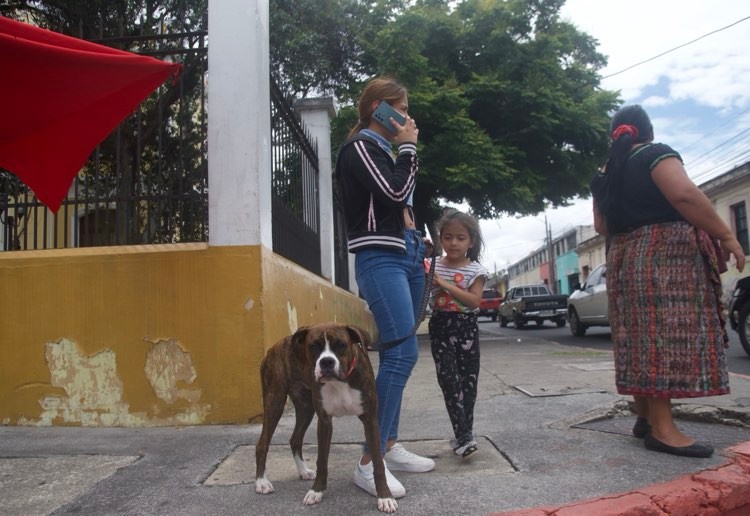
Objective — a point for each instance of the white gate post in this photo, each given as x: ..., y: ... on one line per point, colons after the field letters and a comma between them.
x: 239, y: 124
x: 316, y: 116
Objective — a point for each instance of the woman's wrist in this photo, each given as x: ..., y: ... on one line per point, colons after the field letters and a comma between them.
x: 407, y: 147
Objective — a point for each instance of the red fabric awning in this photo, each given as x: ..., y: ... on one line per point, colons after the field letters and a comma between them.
x: 61, y: 97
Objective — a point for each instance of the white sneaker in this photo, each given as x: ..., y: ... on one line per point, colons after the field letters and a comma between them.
x: 399, y: 459
x: 364, y: 477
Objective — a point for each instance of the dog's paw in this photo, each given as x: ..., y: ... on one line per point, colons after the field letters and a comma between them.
x: 312, y: 497
x: 387, y: 505
x: 307, y: 474
x: 263, y: 486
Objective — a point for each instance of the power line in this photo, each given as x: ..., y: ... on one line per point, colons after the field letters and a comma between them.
x: 739, y: 157
x: 676, y: 48
x: 586, y: 219
x: 712, y: 131
x: 704, y: 166
x: 722, y: 144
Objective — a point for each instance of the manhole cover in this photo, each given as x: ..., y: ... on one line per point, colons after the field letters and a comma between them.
x: 718, y: 435
x: 556, y: 390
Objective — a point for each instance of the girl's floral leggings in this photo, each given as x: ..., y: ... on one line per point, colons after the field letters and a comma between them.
x: 454, y: 338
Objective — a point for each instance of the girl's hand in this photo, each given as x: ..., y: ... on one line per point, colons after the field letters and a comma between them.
x: 407, y: 133
x: 441, y: 282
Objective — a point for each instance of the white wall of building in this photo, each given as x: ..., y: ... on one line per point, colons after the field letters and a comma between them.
x: 726, y: 191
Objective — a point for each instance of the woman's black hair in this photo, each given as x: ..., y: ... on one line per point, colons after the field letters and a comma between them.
x: 619, y: 150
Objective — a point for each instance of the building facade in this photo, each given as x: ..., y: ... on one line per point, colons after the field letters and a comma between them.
x: 578, y: 251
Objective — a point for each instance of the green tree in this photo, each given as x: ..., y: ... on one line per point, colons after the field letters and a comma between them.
x: 508, y: 100
x: 316, y: 46
x: 506, y: 94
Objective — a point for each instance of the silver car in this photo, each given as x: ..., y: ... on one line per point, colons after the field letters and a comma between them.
x: 587, y: 305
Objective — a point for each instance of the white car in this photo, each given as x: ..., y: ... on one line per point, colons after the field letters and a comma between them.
x: 588, y: 305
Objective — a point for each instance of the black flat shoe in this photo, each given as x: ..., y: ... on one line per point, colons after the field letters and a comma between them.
x: 641, y: 428
x: 468, y: 452
x: 694, y: 450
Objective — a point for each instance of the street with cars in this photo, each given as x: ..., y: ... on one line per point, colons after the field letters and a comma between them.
x: 599, y: 338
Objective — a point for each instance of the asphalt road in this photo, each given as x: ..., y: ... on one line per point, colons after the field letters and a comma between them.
x: 599, y: 338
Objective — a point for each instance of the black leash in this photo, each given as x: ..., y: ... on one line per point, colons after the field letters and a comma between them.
x: 422, y: 308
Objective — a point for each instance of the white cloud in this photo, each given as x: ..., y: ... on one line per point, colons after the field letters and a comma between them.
x: 706, y: 88
x: 509, y: 239
x: 713, y: 70
x: 654, y: 101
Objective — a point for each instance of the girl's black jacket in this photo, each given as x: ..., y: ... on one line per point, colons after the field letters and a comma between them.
x: 374, y: 190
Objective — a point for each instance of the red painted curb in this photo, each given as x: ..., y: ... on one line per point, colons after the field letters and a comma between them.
x: 719, y: 491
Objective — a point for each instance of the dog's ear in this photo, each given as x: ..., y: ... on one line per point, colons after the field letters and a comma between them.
x: 299, y: 336
x: 298, y: 343
x: 359, y: 335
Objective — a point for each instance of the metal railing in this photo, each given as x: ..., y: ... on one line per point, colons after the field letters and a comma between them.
x: 295, y: 196
x: 147, y: 183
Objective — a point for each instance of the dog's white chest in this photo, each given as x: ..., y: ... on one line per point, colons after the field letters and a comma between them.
x: 339, y: 399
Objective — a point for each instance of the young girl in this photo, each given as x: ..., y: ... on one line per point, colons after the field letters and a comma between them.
x: 454, y: 334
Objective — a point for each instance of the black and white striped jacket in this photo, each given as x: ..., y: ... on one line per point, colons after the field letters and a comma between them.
x: 374, y: 190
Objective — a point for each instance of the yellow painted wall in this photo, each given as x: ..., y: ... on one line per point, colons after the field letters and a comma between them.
x: 149, y: 335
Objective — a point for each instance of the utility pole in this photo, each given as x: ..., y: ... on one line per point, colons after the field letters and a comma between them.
x: 551, y: 257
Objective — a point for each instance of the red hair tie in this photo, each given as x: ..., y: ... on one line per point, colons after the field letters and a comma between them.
x: 625, y: 129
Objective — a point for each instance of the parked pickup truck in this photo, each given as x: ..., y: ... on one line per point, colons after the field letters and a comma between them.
x: 533, y: 303
x: 490, y: 303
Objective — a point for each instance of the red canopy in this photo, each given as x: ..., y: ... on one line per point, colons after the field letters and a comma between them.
x: 61, y: 97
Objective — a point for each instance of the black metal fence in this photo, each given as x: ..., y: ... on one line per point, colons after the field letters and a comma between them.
x: 295, y: 195
x: 147, y: 183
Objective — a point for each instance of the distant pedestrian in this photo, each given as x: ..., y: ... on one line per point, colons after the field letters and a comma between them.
x: 667, y: 246
x: 454, y: 333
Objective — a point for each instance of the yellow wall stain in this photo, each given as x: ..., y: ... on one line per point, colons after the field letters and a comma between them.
x: 75, y: 345
x: 167, y: 364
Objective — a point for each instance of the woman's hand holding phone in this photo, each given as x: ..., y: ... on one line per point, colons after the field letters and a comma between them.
x: 407, y: 132
x: 402, y: 127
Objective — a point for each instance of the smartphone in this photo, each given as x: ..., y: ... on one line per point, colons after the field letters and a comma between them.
x: 384, y: 113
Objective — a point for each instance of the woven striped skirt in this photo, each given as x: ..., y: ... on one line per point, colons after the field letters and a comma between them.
x: 665, y: 312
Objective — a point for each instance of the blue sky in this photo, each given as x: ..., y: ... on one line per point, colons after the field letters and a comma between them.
x: 698, y: 96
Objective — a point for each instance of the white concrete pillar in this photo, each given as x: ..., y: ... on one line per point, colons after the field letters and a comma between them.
x: 239, y: 124
x: 316, y: 116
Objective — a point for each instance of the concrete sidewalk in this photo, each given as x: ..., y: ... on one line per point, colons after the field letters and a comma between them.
x: 554, y: 439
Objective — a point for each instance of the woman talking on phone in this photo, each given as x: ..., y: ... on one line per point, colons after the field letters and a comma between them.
x: 377, y: 186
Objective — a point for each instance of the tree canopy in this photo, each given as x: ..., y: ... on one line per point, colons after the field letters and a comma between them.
x: 507, y: 95
x: 507, y: 98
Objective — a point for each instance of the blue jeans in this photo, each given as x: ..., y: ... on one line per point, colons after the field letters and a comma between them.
x: 392, y: 283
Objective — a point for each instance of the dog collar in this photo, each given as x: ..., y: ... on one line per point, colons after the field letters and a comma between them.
x: 351, y: 367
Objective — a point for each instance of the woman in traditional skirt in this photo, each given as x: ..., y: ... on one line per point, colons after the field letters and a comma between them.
x: 666, y: 249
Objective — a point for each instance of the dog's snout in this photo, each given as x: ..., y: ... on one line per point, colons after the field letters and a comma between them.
x: 327, y: 363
